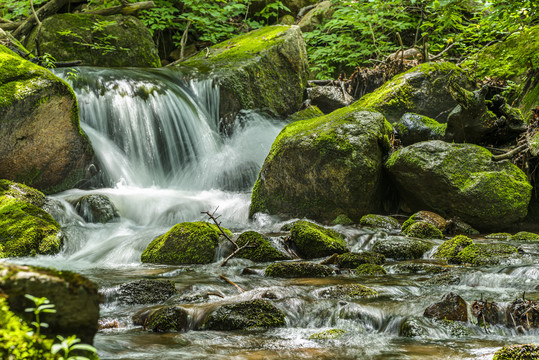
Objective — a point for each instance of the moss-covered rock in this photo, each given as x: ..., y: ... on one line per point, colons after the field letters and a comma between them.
x: 450, y: 248
x: 517, y: 352
x: 328, y: 334
x: 109, y: 41
x: 349, y: 291
x: 426, y: 216
x: 380, y: 221
x: 298, y: 270
x: 460, y: 180
x: 259, y: 248
x: 315, y: 241
x: 423, y: 230
x: 185, y: 243
x: 253, y: 314
x: 443, y: 279
x: 401, y: 248
x: 422, y: 90
x: 266, y: 68
x: 41, y: 143
x: 452, y: 307
x: 498, y: 236
x: 324, y: 167
x: 419, y: 268
x: 75, y: 298
x: 342, y: 220
x: 146, y: 291
x: 485, y: 254
x: 96, y: 208
x: 370, y: 269
x: 411, y: 328
x: 305, y: 114
x: 167, y: 319
x: 328, y: 98
x: 525, y: 236
x: 25, y: 229
x: 315, y: 17
x: 412, y: 128
x: 353, y: 260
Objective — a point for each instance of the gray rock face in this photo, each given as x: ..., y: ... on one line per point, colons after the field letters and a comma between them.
x: 146, y: 291
x: 460, y: 180
x: 75, y: 298
x: 452, y: 307
x: 96, y: 208
x: 413, y: 128
x: 323, y: 11
x: 328, y: 98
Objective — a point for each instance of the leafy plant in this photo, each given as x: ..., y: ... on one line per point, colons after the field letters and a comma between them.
x: 42, y: 305
x: 48, y: 61
x: 68, y: 345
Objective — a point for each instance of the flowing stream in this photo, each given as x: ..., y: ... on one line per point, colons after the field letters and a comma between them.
x: 163, y: 161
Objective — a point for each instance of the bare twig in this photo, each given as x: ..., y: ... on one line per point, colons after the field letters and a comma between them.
x: 39, y: 25
x: 510, y: 154
x: 235, y: 252
x: 215, y: 294
x: 184, y: 40
x: 442, y: 52
x: 231, y: 283
x: 329, y: 260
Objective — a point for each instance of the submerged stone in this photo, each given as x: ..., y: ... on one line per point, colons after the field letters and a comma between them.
x: 460, y: 180
x: 253, y: 314
x: 146, y: 291
x: 452, y: 307
x: 315, y: 241
x: 328, y: 334
x: 96, y: 208
x: 259, y: 248
x: 419, y: 268
x: 298, y: 270
x: 380, y: 221
x: 401, y: 248
x: 411, y: 328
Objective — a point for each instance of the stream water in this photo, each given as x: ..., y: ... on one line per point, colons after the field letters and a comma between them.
x: 163, y: 161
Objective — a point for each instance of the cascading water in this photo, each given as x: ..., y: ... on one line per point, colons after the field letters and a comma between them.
x: 163, y: 161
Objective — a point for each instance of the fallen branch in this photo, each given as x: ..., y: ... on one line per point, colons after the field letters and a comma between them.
x: 330, y: 260
x: 50, y: 8
x: 62, y: 64
x: 510, y: 154
x: 442, y: 52
x: 231, y: 283
x: 129, y: 9
x: 235, y: 252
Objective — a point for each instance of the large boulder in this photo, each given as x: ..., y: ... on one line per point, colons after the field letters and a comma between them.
x: 41, y: 143
x: 25, y: 228
x: 324, y: 167
x: 423, y: 90
x: 185, y: 243
x: 75, y: 298
x: 266, y: 68
x: 108, y: 41
x: 460, y: 180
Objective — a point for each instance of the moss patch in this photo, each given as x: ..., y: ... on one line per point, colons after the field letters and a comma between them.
x: 253, y: 314
x: 352, y: 291
x: 423, y: 230
x: 370, y: 269
x: 525, y: 236
x: 328, y: 334
x: 485, y: 254
x: 298, y: 270
x: 315, y: 241
x: 261, y: 250
x: 402, y: 248
x: 517, y: 352
x: 353, y: 260
x: 380, y: 221
x: 450, y: 248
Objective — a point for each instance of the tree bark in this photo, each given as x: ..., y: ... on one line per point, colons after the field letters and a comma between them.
x: 124, y: 10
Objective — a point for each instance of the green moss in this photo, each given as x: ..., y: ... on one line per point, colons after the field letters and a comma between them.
x: 485, y: 254
x: 498, y: 236
x: 259, y: 248
x: 185, y: 243
x: 21, y: 192
x: 380, y: 221
x: 328, y: 334
x: 423, y: 230
x: 167, y: 319
x: 525, y: 236
x: 306, y: 114
x: 342, y: 220
x: 450, y: 248
x: 316, y: 241
x: 419, y: 268
x: 370, y: 269
x: 353, y: 260
x: 402, y: 248
x: 517, y: 352
x: 253, y: 314
x: 298, y: 270
x: 352, y: 291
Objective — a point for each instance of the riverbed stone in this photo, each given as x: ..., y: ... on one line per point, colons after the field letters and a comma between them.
x: 413, y: 128
x: 450, y: 248
x: 428, y: 216
x: 314, y: 241
x: 370, y: 269
x: 186, y: 243
x: 300, y: 269
x: 485, y: 254
x: 263, y: 69
x: 146, y: 291
x: 96, y: 208
x: 347, y: 291
x: 460, y: 180
x: 167, y: 319
x: 107, y: 41
x: 75, y: 298
x: 423, y: 230
x: 525, y: 236
x: 517, y: 352
x: 352, y: 260
x: 423, y: 90
x: 26, y: 229
x: 380, y: 221
x: 402, y: 248
x: 452, y: 307
x: 325, y: 167
x: 41, y: 143
x: 259, y: 249
x: 411, y: 328
x: 252, y: 314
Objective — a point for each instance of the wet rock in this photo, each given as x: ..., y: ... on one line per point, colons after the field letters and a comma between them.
x: 75, y: 298
x: 298, y: 270
x: 163, y: 319
x: 314, y: 241
x: 104, y: 324
x: 525, y: 237
x: 350, y: 291
x: 185, y: 243
x: 315, y: 17
x: 456, y: 328
x: 25, y: 229
x: 401, y: 248
x: 517, y: 352
x: 263, y: 69
x: 523, y: 314
x: 74, y: 36
x: 324, y: 167
x: 289, y: 226
x: 452, y: 247
x: 370, y: 269
x: 413, y: 128
x: 411, y: 328
x: 309, y: 113
x: 423, y: 230
x: 353, y: 260
x: 422, y: 90
x: 328, y: 334
x: 146, y: 291
x: 259, y: 249
x: 455, y: 226
x: 342, y: 220
x: 251, y: 314
x: 426, y: 216
x: 328, y: 98
x: 460, y: 180
x: 498, y: 236
x: 380, y: 221
x: 485, y: 254
x: 41, y: 143
x: 419, y: 268
x: 96, y: 208
x: 487, y: 313
x: 452, y: 307
x: 444, y: 279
